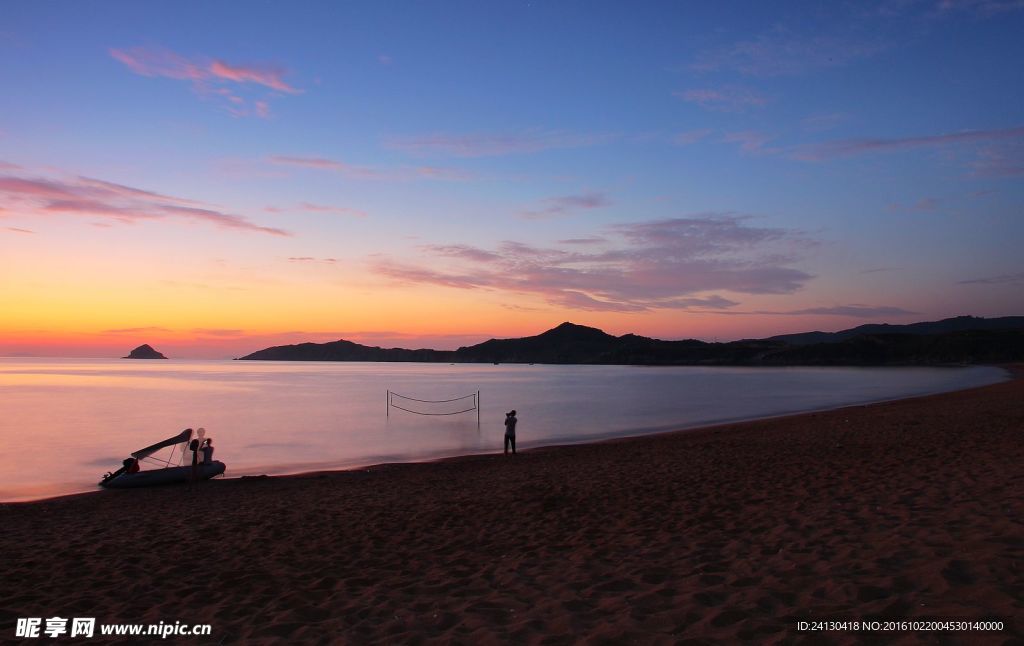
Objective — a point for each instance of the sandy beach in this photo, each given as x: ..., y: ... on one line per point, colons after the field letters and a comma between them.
x: 904, y: 510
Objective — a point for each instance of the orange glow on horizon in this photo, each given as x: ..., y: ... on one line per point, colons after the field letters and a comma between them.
x: 438, y: 332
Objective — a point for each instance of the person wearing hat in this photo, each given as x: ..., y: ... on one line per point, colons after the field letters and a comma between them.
x: 510, y: 431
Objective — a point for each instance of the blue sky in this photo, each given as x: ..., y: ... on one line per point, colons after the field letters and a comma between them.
x: 715, y: 170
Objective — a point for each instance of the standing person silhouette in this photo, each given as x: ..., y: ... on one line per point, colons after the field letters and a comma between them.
x: 510, y: 431
x: 194, y: 446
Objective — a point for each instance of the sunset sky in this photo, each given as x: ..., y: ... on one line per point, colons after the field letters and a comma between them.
x: 213, y: 178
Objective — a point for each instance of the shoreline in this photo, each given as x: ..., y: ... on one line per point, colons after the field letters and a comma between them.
x: 1011, y: 371
x: 905, y: 510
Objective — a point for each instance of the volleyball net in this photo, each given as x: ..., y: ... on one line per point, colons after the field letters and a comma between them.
x: 435, y: 407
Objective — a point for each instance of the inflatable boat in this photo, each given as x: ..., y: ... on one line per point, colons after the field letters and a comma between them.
x: 175, y: 468
x: 167, y: 475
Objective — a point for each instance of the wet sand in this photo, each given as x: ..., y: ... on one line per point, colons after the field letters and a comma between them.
x: 893, y: 511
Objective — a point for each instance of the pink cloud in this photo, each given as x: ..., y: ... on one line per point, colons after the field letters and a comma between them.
x: 849, y: 147
x: 97, y: 207
x: 38, y: 188
x: 88, y: 196
x: 567, y: 204
x: 128, y: 191
x: 269, y: 76
x: 19, y: 230
x: 218, y: 218
x: 159, y: 62
x: 723, y: 99
x: 405, y: 273
x: 208, y: 77
x: 661, y: 264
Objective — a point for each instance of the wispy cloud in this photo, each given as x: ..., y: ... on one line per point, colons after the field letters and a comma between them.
x: 217, y: 332
x: 163, y: 62
x: 691, y: 136
x: 326, y: 208
x: 751, y: 142
x: 855, y: 311
x: 849, y: 147
x: 311, y: 259
x: 1005, y: 159
x: 676, y: 263
x: 729, y: 98
x: 923, y: 205
x: 463, y: 251
x: 115, y: 202
x: 590, y: 240
x: 322, y: 163
x: 494, y: 144
x: 436, y: 172
x: 210, y: 77
x: 270, y: 77
x: 783, y: 53
x: 823, y: 122
x: 136, y: 330
x: 567, y: 204
x: 1002, y: 279
x: 18, y: 230
x: 981, y: 8
x: 366, y: 172
x: 309, y: 207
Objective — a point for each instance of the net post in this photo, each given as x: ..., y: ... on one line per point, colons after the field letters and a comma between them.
x: 478, y: 410
x: 387, y: 404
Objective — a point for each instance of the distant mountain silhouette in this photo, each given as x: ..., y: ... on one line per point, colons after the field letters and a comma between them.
x: 144, y: 351
x: 956, y: 324
x: 952, y: 341
x: 344, y: 351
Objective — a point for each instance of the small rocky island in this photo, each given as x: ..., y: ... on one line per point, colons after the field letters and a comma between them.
x: 144, y: 351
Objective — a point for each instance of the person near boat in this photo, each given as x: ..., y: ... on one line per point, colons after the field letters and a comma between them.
x: 178, y: 468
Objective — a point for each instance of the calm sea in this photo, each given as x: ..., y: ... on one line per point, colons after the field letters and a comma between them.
x: 64, y: 422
